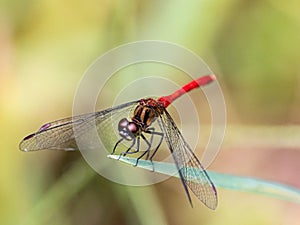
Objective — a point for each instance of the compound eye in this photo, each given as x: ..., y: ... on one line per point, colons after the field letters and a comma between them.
x: 125, y: 128
x: 132, y: 127
x: 123, y: 124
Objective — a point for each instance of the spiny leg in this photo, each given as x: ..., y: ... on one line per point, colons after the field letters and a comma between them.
x: 149, y: 131
x: 117, y: 143
x: 160, y: 141
x: 127, y: 151
x: 152, y: 132
x: 136, y: 150
x: 146, y: 151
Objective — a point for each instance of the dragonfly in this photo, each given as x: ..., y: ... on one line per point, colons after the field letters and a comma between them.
x: 60, y: 135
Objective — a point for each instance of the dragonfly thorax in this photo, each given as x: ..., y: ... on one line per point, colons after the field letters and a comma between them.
x: 146, y: 112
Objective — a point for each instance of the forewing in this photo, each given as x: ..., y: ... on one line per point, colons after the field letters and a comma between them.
x: 59, y: 135
x: 190, y: 169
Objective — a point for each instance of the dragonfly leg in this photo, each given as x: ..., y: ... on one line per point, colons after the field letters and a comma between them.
x: 153, y: 132
x: 136, y: 150
x: 117, y: 143
x: 160, y: 141
x: 146, y: 151
x: 127, y: 151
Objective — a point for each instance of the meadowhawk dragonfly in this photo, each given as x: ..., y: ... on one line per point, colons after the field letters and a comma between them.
x: 60, y: 135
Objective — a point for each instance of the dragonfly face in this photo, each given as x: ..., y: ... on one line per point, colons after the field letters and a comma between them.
x: 128, y: 130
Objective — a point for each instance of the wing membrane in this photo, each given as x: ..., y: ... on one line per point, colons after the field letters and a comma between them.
x: 191, y: 171
x: 59, y: 135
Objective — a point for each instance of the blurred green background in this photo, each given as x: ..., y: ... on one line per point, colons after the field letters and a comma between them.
x: 45, y: 47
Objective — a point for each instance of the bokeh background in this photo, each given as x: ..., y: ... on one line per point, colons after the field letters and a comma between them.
x: 45, y: 47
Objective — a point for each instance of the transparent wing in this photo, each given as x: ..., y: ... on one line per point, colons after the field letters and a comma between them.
x: 59, y: 135
x: 191, y: 171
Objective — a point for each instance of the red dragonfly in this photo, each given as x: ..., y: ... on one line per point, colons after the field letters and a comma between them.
x: 60, y: 135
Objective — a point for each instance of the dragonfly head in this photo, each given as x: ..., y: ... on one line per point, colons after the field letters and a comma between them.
x: 127, y: 129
